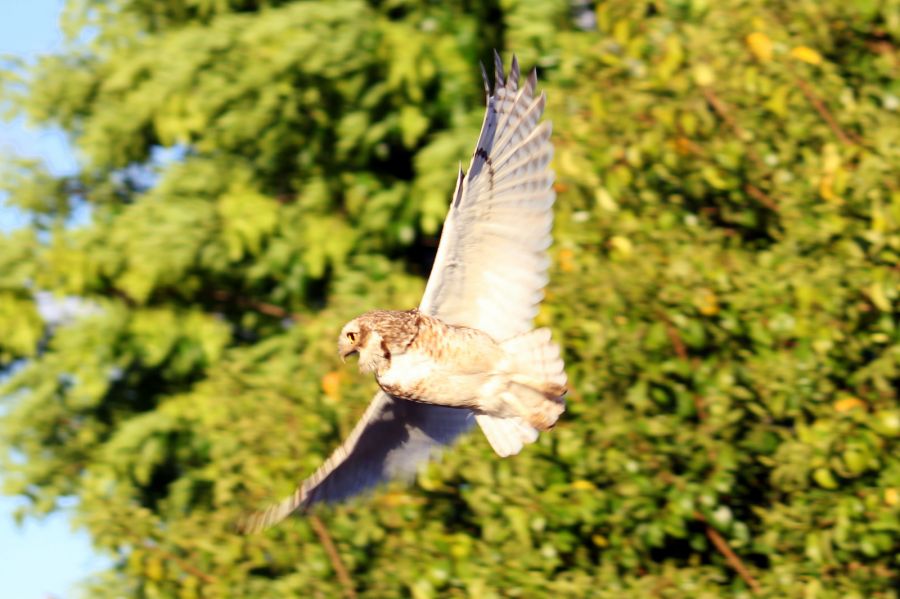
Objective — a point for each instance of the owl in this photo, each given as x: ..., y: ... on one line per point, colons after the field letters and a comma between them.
x: 469, y: 354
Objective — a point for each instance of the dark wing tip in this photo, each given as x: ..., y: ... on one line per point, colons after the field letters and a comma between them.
x: 484, y: 77
x: 513, y: 82
x: 499, y: 78
x: 250, y: 524
x: 259, y: 521
x: 254, y: 523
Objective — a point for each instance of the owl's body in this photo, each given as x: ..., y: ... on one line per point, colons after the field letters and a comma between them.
x: 442, y: 364
x: 421, y: 358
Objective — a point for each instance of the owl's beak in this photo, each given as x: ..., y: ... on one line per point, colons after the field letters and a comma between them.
x: 347, y: 352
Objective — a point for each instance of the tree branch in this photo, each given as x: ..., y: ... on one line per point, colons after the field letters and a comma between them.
x: 752, y: 190
x: 720, y: 108
x: 760, y: 196
x: 183, y: 564
x: 820, y: 107
x: 674, y: 337
x: 261, y: 307
x: 336, y: 563
x: 730, y: 556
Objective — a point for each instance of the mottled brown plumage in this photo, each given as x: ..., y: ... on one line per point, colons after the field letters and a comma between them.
x: 421, y: 358
x: 469, y: 353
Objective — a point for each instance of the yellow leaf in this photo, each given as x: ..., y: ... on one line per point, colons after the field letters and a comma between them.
x: 331, y: 384
x: 566, y: 260
x: 622, y: 245
x: 684, y: 146
x: 826, y: 191
x: 807, y: 55
x: 707, y: 303
x: 831, y: 158
x: 892, y: 496
x: 704, y: 75
x: 879, y: 297
x: 583, y: 485
x: 760, y: 45
x: 831, y: 165
x: 605, y: 200
x: 849, y: 403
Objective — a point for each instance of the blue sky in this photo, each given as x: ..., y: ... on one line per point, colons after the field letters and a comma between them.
x: 29, y: 29
x: 43, y: 558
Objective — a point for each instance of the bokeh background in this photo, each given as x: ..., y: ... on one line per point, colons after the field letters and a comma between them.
x: 251, y: 174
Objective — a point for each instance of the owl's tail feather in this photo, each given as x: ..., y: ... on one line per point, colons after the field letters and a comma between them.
x: 534, y: 360
x: 535, y: 390
x: 506, y: 435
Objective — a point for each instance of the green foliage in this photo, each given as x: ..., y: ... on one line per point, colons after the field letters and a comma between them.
x: 725, y: 286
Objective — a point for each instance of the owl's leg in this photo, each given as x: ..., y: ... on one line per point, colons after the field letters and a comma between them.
x: 538, y: 409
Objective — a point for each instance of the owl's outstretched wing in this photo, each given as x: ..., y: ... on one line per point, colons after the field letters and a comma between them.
x: 491, y: 265
x: 489, y: 273
x: 390, y: 441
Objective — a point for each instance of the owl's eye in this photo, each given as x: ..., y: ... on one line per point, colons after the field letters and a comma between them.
x: 351, y: 337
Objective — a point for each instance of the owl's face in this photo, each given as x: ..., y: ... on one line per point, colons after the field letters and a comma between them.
x: 348, y: 342
x: 359, y: 338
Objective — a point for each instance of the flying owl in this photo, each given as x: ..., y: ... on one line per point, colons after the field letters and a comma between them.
x: 469, y: 352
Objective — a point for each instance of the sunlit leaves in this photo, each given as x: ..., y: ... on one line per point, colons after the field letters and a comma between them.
x: 247, y: 218
x: 22, y: 324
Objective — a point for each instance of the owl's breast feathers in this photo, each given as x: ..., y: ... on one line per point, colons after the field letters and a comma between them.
x: 425, y: 363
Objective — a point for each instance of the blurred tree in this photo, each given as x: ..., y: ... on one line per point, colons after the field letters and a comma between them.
x: 257, y: 173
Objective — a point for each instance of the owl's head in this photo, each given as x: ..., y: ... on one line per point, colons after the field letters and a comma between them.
x: 360, y: 337
x: 376, y: 336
